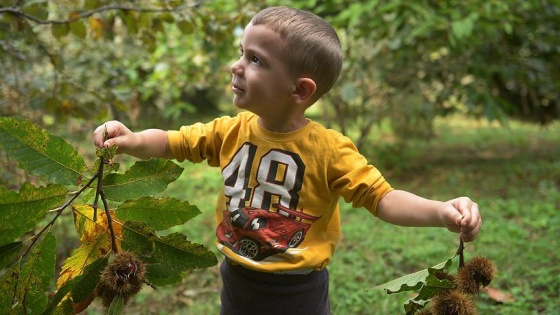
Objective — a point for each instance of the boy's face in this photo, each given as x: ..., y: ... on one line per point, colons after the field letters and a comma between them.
x: 261, y: 81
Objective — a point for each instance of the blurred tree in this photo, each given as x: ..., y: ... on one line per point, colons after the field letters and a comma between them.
x: 410, y: 61
x: 100, y: 59
x: 407, y: 61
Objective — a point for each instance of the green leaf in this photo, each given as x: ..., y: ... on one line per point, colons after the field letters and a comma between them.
x: 137, y: 238
x: 38, y: 9
x: 463, y: 28
x: 84, y: 282
x: 175, y: 254
x: 59, y: 30
x: 129, y: 19
x: 172, y: 255
x: 8, y: 252
x: 107, y: 153
x: 64, y: 308
x: 429, y: 289
x: 8, y: 285
x: 39, y: 152
x: 92, y: 4
x: 117, y: 305
x: 142, y: 179
x: 21, y: 211
x: 160, y: 214
x: 186, y: 27
x: 36, y: 275
x: 413, y: 281
x: 79, y: 29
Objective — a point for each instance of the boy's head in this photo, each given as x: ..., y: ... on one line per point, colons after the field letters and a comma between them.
x: 310, y: 45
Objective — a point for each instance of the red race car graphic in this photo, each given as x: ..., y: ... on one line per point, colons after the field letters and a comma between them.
x: 257, y: 233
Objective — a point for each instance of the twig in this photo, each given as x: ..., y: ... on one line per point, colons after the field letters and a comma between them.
x: 460, y: 252
x: 19, y: 12
x: 60, y: 210
x: 99, y: 189
x: 109, y: 222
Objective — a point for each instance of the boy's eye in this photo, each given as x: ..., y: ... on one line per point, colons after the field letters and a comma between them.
x: 255, y: 59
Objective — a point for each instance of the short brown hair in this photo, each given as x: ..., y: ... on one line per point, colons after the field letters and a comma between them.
x: 311, y: 44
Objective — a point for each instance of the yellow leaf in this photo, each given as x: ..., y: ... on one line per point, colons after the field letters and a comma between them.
x: 73, y: 16
x: 95, y: 241
x: 82, y: 256
x: 95, y: 27
x: 89, y: 230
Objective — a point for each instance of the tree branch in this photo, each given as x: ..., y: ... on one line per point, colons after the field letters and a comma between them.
x: 18, y: 11
x: 61, y: 209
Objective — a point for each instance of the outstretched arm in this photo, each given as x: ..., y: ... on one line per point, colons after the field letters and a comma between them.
x: 149, y: 143
x: 460, y: 215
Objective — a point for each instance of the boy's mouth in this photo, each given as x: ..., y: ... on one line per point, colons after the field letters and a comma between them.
x: 236, y: 88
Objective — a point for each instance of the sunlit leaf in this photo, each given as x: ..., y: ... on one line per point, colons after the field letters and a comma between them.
x: 431, y: 286
x: 36, y: 274
x: 142, y: 179
x: 81, y: 257
x: 95, y: 242
x: 96, y: 28
x: 87, y: 229
x: 413, y: 281
x: 22, y: 211
x: 39, y: 152
x: 160, y: 214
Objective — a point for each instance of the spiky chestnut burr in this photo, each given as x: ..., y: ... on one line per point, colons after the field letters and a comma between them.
x: 477, y: 272
x: 123, y: 277
x: 452, y: 302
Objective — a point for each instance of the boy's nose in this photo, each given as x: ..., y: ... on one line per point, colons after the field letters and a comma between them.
x: 236, y: 68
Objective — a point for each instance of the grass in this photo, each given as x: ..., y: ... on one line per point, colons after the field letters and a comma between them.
x: 513, y: 174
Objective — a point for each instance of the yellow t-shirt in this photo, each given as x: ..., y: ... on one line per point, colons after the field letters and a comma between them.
x: 278, y: 210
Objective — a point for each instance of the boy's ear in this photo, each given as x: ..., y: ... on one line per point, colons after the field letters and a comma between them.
x: 304, y: 90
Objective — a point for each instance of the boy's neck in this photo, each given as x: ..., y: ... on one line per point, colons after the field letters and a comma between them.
x: 283, y: 126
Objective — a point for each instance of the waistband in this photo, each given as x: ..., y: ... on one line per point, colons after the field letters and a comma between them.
x: 297, y: 272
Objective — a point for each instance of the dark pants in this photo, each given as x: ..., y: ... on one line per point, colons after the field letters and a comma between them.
x: 247, y: 292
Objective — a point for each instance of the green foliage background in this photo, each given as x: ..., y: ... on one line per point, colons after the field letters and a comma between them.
x: 157, y: 62
x: 70, y: 65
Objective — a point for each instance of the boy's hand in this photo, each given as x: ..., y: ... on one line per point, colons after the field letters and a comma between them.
x: 461, y: 215
x: 117, y: 134
x: 145, y: 144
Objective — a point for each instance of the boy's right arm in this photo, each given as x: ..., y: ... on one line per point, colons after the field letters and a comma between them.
x: 149, y: 143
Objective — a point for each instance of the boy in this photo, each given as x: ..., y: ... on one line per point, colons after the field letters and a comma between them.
x: 277, y: 216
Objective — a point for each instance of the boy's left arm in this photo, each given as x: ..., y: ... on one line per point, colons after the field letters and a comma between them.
x: 460, y: 215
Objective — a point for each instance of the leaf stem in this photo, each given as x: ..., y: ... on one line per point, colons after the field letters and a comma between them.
x: 109, y: 222
x: 99, y: 189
